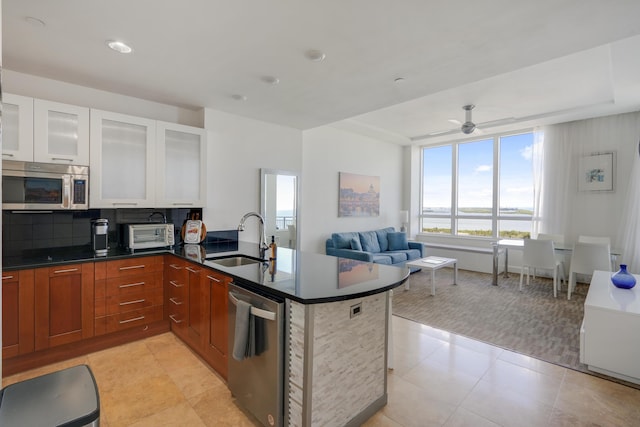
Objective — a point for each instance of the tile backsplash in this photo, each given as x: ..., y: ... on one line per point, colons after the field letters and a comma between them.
x: 24, y: 230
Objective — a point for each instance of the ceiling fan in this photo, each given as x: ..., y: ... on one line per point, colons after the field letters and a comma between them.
x: 468, y: 127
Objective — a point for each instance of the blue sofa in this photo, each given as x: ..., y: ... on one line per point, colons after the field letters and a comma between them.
x: 384, y: 246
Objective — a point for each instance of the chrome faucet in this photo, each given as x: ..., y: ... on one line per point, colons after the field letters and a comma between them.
x: 263, y: 238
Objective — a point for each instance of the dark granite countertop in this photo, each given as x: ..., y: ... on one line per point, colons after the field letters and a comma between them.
x: 301, y: 276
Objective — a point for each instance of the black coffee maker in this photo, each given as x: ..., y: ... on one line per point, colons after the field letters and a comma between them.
x: 99, y: 236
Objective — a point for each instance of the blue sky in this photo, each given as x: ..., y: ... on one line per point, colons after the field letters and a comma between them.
x: 476, y: 173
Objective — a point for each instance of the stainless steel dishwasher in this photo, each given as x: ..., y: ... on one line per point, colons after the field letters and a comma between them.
x: 257, y: 382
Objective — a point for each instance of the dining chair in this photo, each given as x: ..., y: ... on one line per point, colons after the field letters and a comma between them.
x: 598, y: 239
x: 558, y: 240
x: 594, y: 239
x: 540, y: 254
x: 585, y: 259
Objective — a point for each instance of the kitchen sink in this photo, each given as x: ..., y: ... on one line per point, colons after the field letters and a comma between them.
x: 235, y: 261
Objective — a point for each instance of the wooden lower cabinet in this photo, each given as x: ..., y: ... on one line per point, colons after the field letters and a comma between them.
x: 129, y: 294
x: 64, y: 304
x: 17, y: 313
x: 54, y: 313
x: 197, y: 305
x: 215, y: 347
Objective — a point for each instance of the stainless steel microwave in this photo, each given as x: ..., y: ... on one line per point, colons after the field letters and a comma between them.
x: 44, y: 186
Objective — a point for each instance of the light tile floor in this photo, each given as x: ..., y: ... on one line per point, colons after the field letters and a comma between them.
x: 440, y: 379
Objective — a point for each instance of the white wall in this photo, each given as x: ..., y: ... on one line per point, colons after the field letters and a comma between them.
x: 328, y: 151
x: 238, y: 148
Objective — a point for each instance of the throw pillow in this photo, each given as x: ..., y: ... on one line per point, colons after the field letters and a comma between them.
x: 355, y: 244
x: 369, y: 241
x: 398, y: 241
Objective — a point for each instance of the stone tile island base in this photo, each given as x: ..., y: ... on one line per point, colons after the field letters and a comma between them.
x: 336, y: 361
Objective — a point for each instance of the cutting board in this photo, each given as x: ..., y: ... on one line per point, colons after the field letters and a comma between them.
x: 193, y: 231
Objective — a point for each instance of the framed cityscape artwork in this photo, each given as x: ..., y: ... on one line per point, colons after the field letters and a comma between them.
x: 596, y: 172
x: 359, y: 195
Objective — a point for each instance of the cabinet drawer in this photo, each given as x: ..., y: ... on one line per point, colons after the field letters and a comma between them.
x: 177, y: 312
x: 64, y: 270
x: 122, y: 303
x: 133, y: 284
x: 216, y: 277
x: 132, y: 319
x: 137, y: 265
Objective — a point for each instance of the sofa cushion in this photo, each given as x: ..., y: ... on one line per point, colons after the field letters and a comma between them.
x: 382, y: 259
x: 397, y: 257
x: 355, y: 244
x: 382, y: 238
x: 411, y: 254
x: 343, y: 240
x: 369, y: 241
x: 398, y: 241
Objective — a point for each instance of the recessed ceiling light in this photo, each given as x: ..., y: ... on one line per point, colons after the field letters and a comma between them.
x: 35, y: 21
x: 270, y: 80
x: 239, y: 97
x: 118, y: 46
x: 315, y: 55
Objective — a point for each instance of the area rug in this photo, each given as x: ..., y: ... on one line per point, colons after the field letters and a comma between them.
x: 531, y: 322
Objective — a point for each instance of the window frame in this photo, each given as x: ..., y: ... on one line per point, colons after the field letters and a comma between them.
x: 455, y: 216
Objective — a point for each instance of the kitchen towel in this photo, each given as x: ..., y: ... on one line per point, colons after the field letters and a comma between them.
x: 243, y: 333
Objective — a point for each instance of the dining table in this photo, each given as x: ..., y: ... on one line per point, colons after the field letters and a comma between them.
x: 518, y: 244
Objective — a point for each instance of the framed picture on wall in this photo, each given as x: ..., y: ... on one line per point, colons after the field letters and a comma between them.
x: 359, y: 195
x: 596, y: 172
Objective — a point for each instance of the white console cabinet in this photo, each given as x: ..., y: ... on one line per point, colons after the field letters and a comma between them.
x: 610, y: 330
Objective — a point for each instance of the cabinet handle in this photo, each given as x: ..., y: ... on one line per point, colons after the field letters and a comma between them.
x: 174, y: 283
x: 132, y: 320
x: 128, y: 285
x: 68, y: 270
x: 175, y: 266
x: 7, y: 277
x: 173, y: 317
x: 132, y: 302
x: 173, y: 300
x: 192, y: 270
x: 214, y: 279
x: 61, y: 159
x: 132, y: 267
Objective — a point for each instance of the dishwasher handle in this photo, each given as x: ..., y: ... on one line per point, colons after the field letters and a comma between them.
x: 264, y: 314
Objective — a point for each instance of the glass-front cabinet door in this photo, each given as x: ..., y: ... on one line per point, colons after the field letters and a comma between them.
x: 61, y: 133
x: 122, y: 167
x: 181, y: 171
x: 17, y: 127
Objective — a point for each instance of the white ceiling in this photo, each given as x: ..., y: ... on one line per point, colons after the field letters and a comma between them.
x: 519, y: 61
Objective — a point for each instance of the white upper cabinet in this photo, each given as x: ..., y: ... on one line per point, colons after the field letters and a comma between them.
x: 123, y: 159
x: 61, y: 133
x: 181, y: 160
x: 17, y: 127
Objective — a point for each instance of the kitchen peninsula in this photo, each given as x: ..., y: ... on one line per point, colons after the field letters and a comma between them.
x: 334, y: 324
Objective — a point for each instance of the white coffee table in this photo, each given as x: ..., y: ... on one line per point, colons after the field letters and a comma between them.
x: 433, y: 263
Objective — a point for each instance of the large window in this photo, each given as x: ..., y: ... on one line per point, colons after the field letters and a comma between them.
x: 479, y: 188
